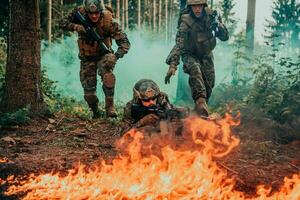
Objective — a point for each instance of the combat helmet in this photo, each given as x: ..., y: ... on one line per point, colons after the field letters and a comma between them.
x: 195, y: 2
x: 145, y: 89
x: 93, y: 5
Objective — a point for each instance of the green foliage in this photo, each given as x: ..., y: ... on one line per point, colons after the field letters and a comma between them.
x: 277, y: 91
x: 226, y: 7
x: 229, y: 96
x: 285, y: 22
x: 21, y: 116
x: 240, y: 60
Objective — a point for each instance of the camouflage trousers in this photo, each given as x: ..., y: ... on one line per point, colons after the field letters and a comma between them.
x: 201, y: 75
x: 88, y: 78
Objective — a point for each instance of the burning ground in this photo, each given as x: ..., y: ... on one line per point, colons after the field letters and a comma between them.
x: 213, y: 160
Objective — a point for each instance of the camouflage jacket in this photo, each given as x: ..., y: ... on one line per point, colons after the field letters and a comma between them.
x: 106, y: 27
x: 183, y: 46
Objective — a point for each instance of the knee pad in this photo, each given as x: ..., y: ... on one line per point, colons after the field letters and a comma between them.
x: 109, y: 80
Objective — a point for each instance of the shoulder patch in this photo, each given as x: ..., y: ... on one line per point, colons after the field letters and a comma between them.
x: 186, y: 18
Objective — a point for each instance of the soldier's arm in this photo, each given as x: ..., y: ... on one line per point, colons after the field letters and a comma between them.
x: 68, y: 22
x: 121, y: 40
x: 174, y: 56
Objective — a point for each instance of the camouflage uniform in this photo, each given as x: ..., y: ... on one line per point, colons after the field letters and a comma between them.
x: 162, y: 101
x: 194, y: 43
x: 93, y: 58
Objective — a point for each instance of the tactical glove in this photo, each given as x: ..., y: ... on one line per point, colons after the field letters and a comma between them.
x: 79, y: 29
x: 149, y: 119
x: 171, y: 72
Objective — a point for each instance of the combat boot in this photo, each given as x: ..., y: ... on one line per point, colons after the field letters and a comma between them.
x: 201, y: 107
x: 109, y: 107
x: 96, y: 111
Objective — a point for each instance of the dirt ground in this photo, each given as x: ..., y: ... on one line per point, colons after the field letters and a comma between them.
x: 46, y: 145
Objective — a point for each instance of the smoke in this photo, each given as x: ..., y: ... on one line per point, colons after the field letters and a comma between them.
x: 146, y: 59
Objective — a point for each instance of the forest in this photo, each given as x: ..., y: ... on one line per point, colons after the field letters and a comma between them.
x: 51, y: 147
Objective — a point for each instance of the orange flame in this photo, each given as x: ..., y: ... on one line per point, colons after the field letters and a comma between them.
x: 187, y: 171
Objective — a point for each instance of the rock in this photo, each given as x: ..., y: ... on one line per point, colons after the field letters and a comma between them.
x: 51, y: 121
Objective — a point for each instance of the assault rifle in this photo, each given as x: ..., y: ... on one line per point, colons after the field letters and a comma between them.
x: 138, y: 111
x: 91, y: 33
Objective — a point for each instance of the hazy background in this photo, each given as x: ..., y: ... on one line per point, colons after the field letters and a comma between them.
x: 146, y: 58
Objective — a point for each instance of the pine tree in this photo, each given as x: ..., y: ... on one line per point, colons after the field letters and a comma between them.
x: 228, y: 14
x: 285, y: 22
x: 23, y: 69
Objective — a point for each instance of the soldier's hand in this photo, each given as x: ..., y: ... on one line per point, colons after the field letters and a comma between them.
x: 79, y: 28
x: 171, y: 72
x: 149, y: 119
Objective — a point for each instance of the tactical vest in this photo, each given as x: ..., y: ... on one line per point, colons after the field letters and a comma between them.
x: 199, y: 40
x: 103, y: 28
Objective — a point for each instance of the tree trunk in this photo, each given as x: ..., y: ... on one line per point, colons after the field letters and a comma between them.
x: 183, y: 93
x: 139, y: 14
x: 154, y: 16
x: 212, y: 4
x: 118, y: 10
x: 171, y: 20
x: 166, y: 19
x: 159, y: 16
x: 250, y: 26
x: 23, y: 69
x: 126, y: 13
x: 49, y: 21
x: 123, y: 14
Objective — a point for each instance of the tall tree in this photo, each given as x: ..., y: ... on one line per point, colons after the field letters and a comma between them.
x: 123, y: 14
x: 49, y: 21
x: 159, y: 16
x: 118, y: 10
x: 228, y: 14
x: 23, y: 70
x: 166, y: 18
x: 285, y: 22
x: 126, y: 14
x: 250, y: 23
x: 154, y: 16
x: 139, y: 14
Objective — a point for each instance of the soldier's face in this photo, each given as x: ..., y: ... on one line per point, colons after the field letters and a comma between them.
x: 148, y: 103
x: 197, y: 9
x: 94, y: 16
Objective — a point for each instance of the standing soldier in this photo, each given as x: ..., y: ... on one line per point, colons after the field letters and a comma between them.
x: 96, y: 28
x: 196, y: 38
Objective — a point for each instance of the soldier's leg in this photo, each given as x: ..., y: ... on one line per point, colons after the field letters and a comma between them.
x: 208, y: 71
x: 108, y: 86
x: 88, y: 79
x: 196, y: 82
